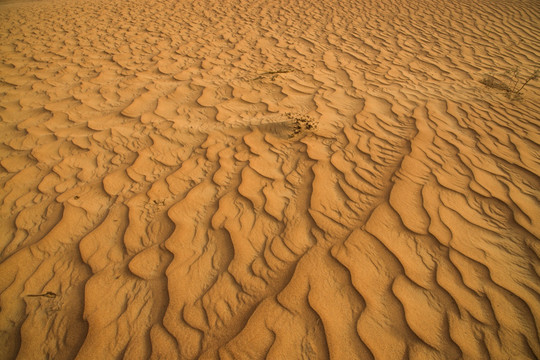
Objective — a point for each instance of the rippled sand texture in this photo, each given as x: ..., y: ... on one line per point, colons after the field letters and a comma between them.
x: 162, y: 199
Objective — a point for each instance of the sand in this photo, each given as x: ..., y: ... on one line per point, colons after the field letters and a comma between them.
x: 231, y: 179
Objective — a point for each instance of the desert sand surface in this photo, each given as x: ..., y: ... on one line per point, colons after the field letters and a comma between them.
x: 231, y: 179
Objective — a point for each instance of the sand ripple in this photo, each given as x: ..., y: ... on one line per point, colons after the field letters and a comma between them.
x: 268, y: 179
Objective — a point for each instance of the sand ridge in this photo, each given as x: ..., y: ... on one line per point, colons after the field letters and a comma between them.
x: 163, y: 197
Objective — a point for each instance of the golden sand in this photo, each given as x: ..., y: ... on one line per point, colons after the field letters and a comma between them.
x: 269, y: 179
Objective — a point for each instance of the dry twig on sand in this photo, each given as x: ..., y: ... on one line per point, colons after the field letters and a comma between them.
x: 513, y: 92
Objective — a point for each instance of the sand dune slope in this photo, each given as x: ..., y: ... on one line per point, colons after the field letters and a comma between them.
x: 269, y: 180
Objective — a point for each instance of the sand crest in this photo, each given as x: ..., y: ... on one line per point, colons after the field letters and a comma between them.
x: 269, y: 179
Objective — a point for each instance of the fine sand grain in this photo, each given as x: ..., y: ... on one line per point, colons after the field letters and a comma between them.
x: 269, y: 179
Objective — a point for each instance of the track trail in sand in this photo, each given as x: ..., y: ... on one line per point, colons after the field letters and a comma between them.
x: 157, y: 203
